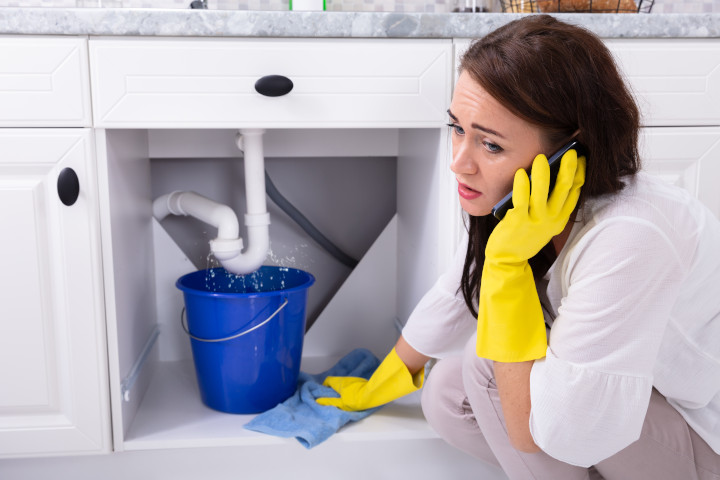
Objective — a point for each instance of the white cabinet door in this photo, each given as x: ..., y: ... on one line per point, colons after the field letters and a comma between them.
x: 53, y: 360
x: 687, y: 157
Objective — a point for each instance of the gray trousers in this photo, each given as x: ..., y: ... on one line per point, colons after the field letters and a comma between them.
x: 460, y: 401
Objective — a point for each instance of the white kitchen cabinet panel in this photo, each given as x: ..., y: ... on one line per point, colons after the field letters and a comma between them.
x: 676, y: 81
x: 210, y: 83
x: 53, y: 360
x: 687, y: 157
x: 44, y: 82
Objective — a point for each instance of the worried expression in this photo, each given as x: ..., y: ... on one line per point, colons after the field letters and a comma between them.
x: 489, y: 145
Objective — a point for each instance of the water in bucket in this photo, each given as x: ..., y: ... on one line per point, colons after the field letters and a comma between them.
x: 246, y: 334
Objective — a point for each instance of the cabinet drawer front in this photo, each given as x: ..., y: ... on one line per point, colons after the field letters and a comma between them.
x: 686, y: 157
x: 44, y: 82
x: 677, y: 82
x: 210, y: 83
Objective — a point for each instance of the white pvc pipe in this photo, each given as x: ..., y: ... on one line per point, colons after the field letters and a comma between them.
x: 257, y: 218
x: 195, y: 205
x: 227, y: 247
x: 250, y: 141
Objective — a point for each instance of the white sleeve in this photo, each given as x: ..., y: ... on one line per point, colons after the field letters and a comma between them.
x: 590, y: 394
x: 441, y: 323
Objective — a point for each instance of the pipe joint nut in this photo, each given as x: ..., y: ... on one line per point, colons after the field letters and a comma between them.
x: 225, y: 249
x: 257, y: 219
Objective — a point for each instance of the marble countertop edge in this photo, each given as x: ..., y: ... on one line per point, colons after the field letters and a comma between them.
x: 245, y: 23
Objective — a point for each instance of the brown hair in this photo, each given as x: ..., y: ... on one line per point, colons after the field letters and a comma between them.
x: 563, y: 79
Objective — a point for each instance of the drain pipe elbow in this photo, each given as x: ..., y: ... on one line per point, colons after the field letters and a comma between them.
x: 252, y: 258
x: 227, y: 247
x: 161, y: 206
x: 195, y: 205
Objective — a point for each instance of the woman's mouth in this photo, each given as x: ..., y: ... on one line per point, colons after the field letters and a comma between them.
x: 467, y: 193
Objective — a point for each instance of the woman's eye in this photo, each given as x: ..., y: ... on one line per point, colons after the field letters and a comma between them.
x: 492, y: 147
x: 457, y: 129
x: 489, y: 146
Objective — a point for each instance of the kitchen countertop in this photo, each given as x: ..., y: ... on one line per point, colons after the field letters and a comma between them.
x: 231, y: 23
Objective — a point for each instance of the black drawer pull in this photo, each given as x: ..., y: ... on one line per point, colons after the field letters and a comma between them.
x: 273, y: 85
x: 68, y: 186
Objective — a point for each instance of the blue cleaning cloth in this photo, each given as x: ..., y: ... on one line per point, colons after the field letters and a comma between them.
x: 300, y: 416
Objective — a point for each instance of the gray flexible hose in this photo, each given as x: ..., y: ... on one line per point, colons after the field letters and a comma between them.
x: 306, y: 225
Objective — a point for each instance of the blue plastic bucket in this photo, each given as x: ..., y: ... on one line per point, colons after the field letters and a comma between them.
x: 246, y: 333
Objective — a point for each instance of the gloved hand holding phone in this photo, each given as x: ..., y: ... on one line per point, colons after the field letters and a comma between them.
x: 510, y: 326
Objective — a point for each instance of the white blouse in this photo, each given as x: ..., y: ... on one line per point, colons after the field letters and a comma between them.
x: 635, y: 298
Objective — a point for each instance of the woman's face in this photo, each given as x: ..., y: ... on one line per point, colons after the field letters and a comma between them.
x: 489, y: 145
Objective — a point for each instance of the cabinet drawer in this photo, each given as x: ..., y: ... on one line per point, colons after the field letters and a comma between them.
x: 686, y: 157
x: 210, y: 83
x: 677, y: 82
x: 44, y: 82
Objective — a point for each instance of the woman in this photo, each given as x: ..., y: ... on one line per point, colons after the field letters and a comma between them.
x: 624, y: 269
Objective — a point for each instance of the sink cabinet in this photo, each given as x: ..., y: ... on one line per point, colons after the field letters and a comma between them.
x: 355, y: 99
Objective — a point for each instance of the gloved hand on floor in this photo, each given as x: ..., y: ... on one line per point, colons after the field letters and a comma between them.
x: 511, y: 327
x: 390, y: 381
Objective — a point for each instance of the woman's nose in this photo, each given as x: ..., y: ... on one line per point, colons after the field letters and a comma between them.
x: 462, y: 161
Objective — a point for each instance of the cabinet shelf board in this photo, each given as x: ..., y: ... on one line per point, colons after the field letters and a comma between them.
x: 172, y: 415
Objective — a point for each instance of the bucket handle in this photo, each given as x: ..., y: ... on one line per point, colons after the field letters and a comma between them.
x: 232, y: 337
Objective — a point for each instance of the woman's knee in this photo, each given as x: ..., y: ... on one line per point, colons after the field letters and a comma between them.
x: 448, y: 411
x: 442, y: 394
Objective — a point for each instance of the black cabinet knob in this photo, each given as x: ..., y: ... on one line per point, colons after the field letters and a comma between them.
x: 68, y: 186
x: 273, y: 86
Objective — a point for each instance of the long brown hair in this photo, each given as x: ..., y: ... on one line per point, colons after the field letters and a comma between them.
x: 563, y: 79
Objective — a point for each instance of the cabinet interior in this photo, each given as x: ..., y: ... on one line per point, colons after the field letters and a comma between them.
x: 377, y: 193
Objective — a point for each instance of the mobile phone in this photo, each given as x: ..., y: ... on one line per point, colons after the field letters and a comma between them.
x: 501, y: 208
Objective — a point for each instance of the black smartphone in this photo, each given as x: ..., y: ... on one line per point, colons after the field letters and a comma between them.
x: 501, y: 208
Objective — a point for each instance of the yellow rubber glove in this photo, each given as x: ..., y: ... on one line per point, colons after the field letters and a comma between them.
x: 391, y: 380
x: 511, y: 327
